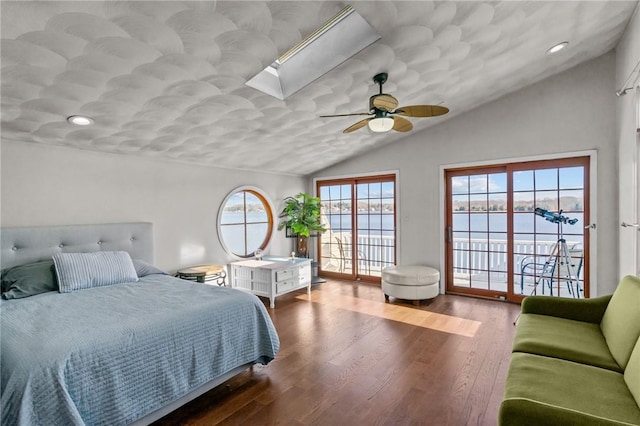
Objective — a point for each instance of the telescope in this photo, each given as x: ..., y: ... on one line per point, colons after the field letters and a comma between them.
x: 555, y: 217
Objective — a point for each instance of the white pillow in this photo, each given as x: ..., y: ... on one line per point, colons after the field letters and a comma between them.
x: 78, y: 271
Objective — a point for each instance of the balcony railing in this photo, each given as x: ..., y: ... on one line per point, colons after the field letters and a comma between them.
x: 374, y: 252
x: 474, y: 257
x: 491, y: 255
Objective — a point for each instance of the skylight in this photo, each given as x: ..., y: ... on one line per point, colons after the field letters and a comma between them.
x: 334, y: 42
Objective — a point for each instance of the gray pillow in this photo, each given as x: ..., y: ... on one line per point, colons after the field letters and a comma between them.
x: 143, y: 268
x: 28, y: 280
x: 78, y: 271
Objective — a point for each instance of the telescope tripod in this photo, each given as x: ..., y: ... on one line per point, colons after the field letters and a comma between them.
x: 559, y: 262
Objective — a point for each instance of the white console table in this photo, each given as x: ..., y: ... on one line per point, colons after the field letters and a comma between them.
x: 272, y: 276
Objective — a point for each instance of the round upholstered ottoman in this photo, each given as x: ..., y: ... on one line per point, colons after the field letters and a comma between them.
x: 410, y: 282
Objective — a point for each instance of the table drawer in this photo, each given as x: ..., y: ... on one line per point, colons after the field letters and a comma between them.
x: 283, y: 275
x: 304, y: 273
x: 285, y: 286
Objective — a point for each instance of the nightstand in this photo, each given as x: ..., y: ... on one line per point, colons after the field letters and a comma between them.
x: 203, y: 274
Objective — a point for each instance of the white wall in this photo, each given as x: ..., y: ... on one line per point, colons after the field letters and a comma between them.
x: 572, y: 111
x: 44, y: 185
x: 627, y: 56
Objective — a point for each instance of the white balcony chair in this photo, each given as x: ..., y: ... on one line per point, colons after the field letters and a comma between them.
x: 345, y: 240
x: 547, y: 273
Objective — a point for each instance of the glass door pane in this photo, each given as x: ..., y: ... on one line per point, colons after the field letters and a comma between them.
x: 375, y: 245
x: 549, y: 217
x: 335, y: 244
x: 478, y: 232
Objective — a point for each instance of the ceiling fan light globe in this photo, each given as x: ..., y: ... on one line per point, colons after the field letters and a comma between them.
x: 381, y: 124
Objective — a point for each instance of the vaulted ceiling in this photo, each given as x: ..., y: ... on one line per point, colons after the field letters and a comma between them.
x: 166, y: 79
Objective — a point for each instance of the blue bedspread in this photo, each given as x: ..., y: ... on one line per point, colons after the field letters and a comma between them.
x: 111, y: 355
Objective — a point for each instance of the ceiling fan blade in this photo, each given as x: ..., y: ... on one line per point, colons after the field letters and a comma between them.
x: 422, y: 110
x: 356, y: 126
x: 401, y: 124
x: 384, y: 101
x: 346, y: 115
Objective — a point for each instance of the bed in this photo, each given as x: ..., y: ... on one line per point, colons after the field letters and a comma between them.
x: 123, y: 353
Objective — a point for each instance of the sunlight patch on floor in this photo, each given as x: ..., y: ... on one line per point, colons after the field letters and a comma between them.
x: 393, y: 312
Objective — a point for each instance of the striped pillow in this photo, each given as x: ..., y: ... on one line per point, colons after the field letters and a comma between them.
x: 78, y: 271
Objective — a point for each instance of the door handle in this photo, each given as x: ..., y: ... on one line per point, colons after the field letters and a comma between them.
x: 629, y: 225
x: 449, y: 234
x: 590, y: 226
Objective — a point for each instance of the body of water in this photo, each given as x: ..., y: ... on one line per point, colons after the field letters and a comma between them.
x: 467, y: 225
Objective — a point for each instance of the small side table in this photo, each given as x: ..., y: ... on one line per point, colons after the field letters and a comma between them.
x: 204, y: 273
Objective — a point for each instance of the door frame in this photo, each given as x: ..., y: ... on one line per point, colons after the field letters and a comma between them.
x: 593, y: 212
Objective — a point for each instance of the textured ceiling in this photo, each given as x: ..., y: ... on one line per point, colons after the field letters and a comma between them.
x: 167, y: 79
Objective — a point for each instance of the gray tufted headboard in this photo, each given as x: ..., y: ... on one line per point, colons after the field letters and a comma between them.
x: 29, y: 244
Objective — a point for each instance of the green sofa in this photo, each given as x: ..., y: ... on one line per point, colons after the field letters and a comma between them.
x: 576, y: 361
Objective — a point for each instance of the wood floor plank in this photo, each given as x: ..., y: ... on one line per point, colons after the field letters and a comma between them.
x: 347, y: 357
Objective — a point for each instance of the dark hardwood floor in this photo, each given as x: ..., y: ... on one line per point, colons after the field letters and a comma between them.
x: 349, y: 358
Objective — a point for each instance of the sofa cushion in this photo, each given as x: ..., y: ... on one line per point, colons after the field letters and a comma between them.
x: 632, y: 373
x: 543, y: 391
x: 621, y: 321
x: 565, y: 339
x: 587, y: 310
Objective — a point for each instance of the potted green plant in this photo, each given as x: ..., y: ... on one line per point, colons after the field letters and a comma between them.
x: 301, y: 214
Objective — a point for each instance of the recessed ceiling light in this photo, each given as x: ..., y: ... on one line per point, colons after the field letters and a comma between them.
x: 558, y: 47
x: 80, y: 120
